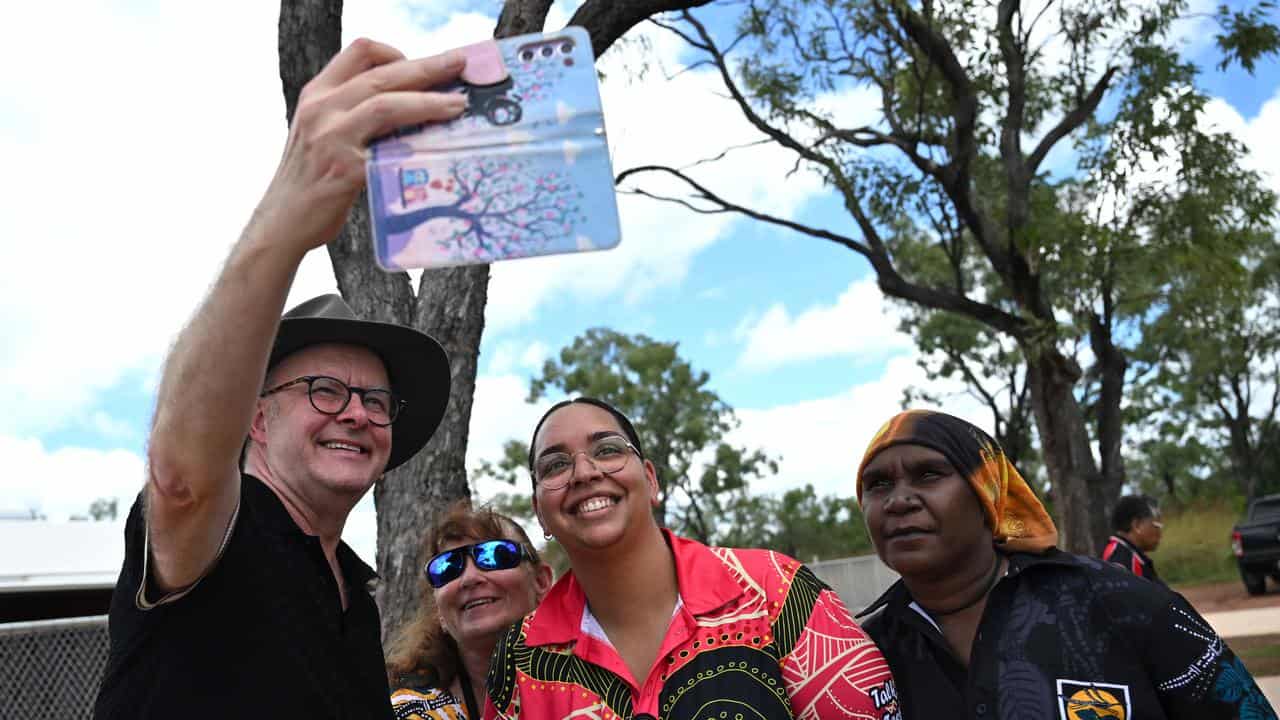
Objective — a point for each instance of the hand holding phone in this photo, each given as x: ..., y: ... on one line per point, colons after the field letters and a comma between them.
x: 524, y: 171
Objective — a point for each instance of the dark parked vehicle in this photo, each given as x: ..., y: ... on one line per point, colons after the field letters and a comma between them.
x: 1256, y: 544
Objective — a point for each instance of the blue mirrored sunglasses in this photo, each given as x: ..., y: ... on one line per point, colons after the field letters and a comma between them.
x: 488, y: 555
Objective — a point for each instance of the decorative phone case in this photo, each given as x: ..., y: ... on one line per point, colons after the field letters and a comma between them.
x: 524, y: 171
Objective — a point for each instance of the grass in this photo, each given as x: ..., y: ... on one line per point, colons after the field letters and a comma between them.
x: 1196, y: 547
x: 1260, y: 653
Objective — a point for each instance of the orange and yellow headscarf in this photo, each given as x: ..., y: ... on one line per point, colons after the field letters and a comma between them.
x: 1016, y: 516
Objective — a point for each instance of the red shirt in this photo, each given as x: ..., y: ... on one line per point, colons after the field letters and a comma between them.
x: 756, y: 635
x: 1120, y: 551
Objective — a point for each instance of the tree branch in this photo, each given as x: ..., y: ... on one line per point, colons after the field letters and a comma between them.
x: 519, y: 17
x: 1071, y: 121
x: 608, y: 20
x: 957, y: 180
x: 721, y: 155
x: 890, y: 281
x: 870, y: 137
x: 971, y: 378
x: 1015, y: 112
x: 726, y: 206
x: 707, y: 44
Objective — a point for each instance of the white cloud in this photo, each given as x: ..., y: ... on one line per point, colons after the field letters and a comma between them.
x: 1257, y: 133
x: 62, y: 483
x: 534, y: 355
x: 820, y: 442
x: 861, y: 323
x: 415, y: 29
x: 498, y: 414
x: 127, y: 192
x: 510, y: 355
x: 112, y: 428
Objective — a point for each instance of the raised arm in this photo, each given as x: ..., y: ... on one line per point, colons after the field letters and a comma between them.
x: 213, y: 375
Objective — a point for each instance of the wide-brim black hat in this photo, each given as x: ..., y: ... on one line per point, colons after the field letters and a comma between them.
x: 417, y: 366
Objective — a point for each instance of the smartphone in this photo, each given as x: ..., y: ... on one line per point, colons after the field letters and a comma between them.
x: 523, y: 172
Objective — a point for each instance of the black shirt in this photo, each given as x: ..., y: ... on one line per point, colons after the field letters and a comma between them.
x: 1065, y: 637
x: 1127, y: 555
x: 263, y: 634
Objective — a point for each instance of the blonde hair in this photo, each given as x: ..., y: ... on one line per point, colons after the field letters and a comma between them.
x: 421, y: 647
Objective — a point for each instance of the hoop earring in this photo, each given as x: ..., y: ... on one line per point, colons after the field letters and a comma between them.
x: 546, y: 535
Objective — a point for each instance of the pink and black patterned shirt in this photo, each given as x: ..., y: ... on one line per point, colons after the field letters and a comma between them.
x: 755, y: 635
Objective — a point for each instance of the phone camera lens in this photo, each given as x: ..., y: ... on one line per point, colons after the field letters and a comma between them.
x: 566, y: 47
x: 527, y: 55
x: 546, y: 51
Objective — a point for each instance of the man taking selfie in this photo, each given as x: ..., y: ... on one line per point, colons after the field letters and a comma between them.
x: 237, y: 597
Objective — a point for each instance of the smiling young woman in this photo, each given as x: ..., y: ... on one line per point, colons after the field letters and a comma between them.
x: 647, y: 624
x: 989, y: 620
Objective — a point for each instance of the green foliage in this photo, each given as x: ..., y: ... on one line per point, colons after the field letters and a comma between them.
x: 512, y: 468
x: 1213, y: 365
x: 800, y: 523
x: 991, y: 368
x: 1247, y: 36
x: 104, y: 509
x: 1177, y: 467
x: 1008, y: 253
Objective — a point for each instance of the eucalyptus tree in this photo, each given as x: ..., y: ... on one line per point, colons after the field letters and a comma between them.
x: 1021, y: 172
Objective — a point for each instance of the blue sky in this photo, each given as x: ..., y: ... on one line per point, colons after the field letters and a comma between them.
x: 136, y: 153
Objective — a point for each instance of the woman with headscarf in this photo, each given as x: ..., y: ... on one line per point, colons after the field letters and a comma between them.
x: 482, y: 575
x: 990, y: 621
x: 648, y: 625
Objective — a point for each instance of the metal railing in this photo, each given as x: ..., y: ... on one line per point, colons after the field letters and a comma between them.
x: 51, y: 668
x: 857, y: 580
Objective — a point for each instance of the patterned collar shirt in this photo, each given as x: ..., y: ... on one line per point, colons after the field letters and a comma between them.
x: 424, y: 702
x: 1069, y: 638
x: 754, y: 634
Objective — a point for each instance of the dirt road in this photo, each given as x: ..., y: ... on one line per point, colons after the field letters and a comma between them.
x: 1226, y: 596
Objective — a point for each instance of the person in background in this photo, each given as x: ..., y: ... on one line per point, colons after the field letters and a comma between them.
x: 237, y: 596
x: 989, y: 620
x: 647, y: 624
x: 482, y: 575
x: 1137, y: 529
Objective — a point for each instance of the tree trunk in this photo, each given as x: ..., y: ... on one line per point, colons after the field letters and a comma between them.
x: 1064, y: 438
x: 1243, y: 457
x: 449, y: 307
x: 1171, y: 488
x: 1111, y: 365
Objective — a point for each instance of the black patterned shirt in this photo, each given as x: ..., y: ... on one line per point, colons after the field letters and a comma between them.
x: 1127, y: 555
x: 1069, y: 638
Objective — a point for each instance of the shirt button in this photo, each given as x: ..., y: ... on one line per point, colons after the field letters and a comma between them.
x: 980, y: 708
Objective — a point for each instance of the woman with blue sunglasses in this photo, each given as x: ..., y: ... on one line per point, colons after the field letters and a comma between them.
x: 482, y: 575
